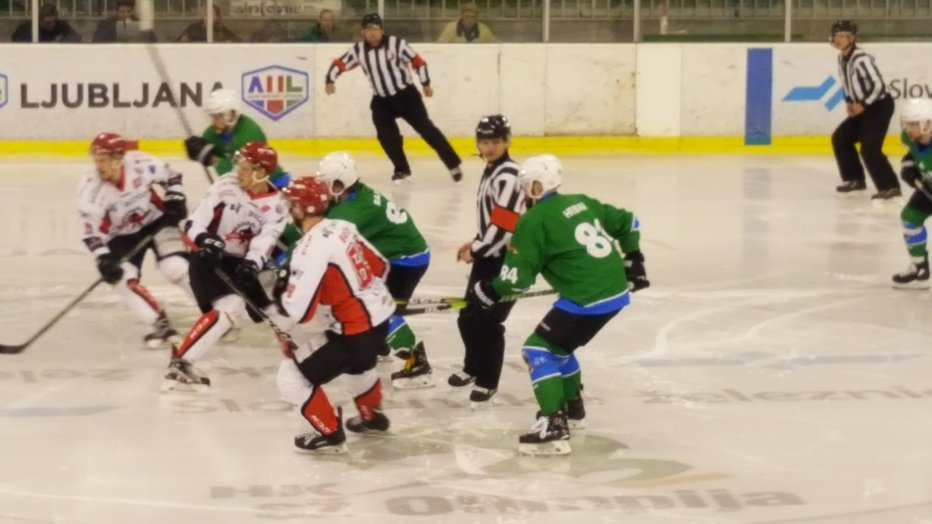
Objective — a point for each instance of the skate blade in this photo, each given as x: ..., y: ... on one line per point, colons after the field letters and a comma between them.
x: 326, y: 450
x: 170, y: 386
x: 485, y: 404
x: 161, y: 344
x: 576, y: 424
x: 913, y: 286
x: 552, y: 448
x: 385, y: 359
x: 419, y: 382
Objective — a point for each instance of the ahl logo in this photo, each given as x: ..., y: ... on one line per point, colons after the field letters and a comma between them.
x: 3, y: 90
x: 815, y: 93
x: 275, y: 91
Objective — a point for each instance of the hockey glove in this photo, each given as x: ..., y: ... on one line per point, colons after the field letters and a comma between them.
x: 635, y: 272
x: 247, y: 273
x: 209, y: 248
x: 199, y: 150
x: 109, y: 266
x: 909, y: 172
x: 176, y: 208
x: 483, y: 295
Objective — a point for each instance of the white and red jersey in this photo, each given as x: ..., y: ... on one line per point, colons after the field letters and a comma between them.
x: 248, y: 224
x: 110, y: 210
x: 334, y: 266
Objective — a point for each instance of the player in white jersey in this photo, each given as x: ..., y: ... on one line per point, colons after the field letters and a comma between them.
x: 129, y: 197
x: 333, y: 267
x: 232, y: 233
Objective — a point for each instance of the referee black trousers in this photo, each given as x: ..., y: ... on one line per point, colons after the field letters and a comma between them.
x: 483, y: 330
x: 869, y: 128
x: 409, y: 106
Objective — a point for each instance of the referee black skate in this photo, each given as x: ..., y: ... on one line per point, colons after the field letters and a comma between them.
x: 500, y: 203
x: 387, y: 61
x: 870, y: 108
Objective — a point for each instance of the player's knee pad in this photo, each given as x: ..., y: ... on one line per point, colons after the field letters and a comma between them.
x: 569, y: 366
x: 232, y: 305
x: 362, y: 383
x: 292, y: 385
x: 167, y: 242
x: 541, y: 362
x: 914, y: 234
x: 130, y: 273
x: 175, y: 268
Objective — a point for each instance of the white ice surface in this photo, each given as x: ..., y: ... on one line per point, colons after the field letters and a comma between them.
x: 770, y: 374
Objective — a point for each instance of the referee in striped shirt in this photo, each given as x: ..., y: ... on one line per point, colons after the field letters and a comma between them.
x: 499, y: 204
x: 387, y: 61
x: 870, y: 108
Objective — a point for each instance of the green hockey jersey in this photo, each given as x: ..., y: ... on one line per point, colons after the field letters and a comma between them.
x: 227, y: 144
x: 922, y: 156
x: 389, y: 228
x: 570, y: 240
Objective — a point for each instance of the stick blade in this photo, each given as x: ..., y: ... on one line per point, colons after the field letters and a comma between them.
x: 11, y: 350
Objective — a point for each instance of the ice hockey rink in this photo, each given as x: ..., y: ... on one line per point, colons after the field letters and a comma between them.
x: 769, y: 375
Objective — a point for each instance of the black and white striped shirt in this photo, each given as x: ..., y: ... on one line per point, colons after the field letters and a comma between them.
x: 499, y: 204
x: 861, y: 78
x: 388, y: 66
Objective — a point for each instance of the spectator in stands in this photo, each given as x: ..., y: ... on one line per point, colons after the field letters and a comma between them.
x: 51, y: 28
x: 197, y: 32
x: 467, y: 28
x: 122, y: 26
x: 324, y: 30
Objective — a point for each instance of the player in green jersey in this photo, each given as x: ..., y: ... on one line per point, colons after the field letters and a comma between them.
x: 916, y: 119
x: 392, y: 231
x: 571, y: 241
x: 229, y: 131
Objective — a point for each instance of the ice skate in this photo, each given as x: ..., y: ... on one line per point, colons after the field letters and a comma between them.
x: 379, y: 423
x: 916, y: 276
x: 316, y: 442
x: 548, y: 436
x: 163, y: 333
x: 416, y: 373
x: 181, y: 376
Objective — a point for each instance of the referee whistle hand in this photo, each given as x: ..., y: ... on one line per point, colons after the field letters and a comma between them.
x: 330, y: 88
x: 428, y: 91
x: 464, y: 253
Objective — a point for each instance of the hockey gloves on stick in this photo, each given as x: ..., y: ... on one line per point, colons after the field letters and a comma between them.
x: 199, y: 150
x: 247, y: 272
x: 482, y: 295
x: 176, y: 207
x: 209, y: 248
x: 635, y: 272
x: 109, y: 267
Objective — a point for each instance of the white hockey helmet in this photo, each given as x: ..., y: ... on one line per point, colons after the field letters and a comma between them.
x: 918, y: 111
x: 544, y: 169
x: 338, y: 167
x: 223, y: 102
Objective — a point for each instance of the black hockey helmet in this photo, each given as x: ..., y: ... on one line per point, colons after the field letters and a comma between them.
x: 493, y: 126
x: 844, y: 26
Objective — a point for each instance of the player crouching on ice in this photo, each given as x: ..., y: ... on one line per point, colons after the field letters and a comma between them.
x: 129, y: 197
x: 232, y: 233
x: 570, y: 240
x: 916, y: 171
x: 392, y: 231
x: 333, y: 267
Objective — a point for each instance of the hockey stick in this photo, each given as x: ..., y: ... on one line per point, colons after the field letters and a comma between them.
x: 147, y: 23
x: 422, y: 306
x: 282, y: 335
x: 19, y: 348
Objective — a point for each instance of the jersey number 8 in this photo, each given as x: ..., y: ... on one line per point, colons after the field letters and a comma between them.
x: 596, y: 241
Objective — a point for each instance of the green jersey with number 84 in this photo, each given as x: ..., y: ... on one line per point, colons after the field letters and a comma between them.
x: 570, y: 240
x: 386, y: 226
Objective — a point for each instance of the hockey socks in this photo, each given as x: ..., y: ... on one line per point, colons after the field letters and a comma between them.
x: 400, y: 336
x: 555, y: 376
